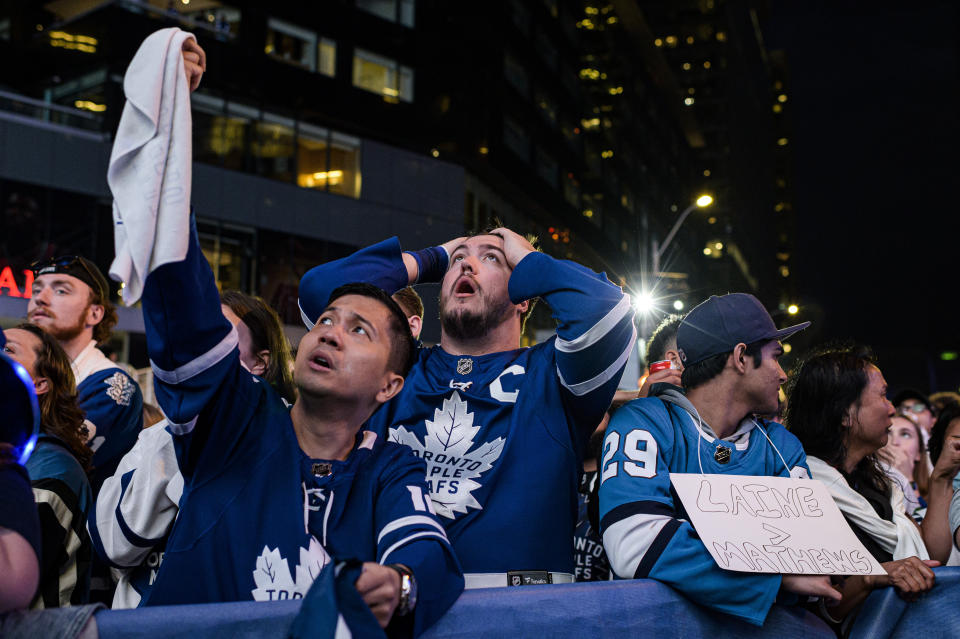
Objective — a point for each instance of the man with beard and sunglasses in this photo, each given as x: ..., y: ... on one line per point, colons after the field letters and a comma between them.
x: 70, y: 300
x: 502, y: 429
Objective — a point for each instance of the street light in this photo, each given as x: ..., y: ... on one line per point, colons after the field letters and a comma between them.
x: 644, y: 303
x: 659, y: 249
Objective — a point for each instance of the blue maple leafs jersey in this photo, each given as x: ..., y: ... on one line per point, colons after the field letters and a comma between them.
x: 646, y: 531
x: 113, y: 403
x: 258, y: 519
x: 502, y: 434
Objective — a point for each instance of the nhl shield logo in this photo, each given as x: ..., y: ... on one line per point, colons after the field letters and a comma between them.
x: 464, y: 366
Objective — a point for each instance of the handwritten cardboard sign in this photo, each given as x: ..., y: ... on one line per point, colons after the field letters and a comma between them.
x: 773, y: 525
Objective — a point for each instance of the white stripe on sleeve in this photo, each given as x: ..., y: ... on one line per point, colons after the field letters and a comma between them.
x: 628, y: 540
x: 596, y: 332
x: 200, y: 364
x: 409, y: 521
x: 592, y: 384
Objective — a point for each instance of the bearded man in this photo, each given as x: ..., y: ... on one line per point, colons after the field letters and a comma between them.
x: 70, y: 300
x: 502, y: 429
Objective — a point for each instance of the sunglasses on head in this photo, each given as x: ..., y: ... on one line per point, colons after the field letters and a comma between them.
x: 67, y: 262
x: 916, y: 408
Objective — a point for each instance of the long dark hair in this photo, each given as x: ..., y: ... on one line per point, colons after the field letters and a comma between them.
x: 266, y: 331
x: 824, y: 388
x: 60, y: 415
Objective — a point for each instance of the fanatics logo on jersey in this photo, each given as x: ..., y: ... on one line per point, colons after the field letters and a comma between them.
x: 452, y: 467
x: 464, y: 366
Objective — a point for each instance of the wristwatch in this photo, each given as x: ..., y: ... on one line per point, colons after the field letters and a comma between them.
x: 408, y: 590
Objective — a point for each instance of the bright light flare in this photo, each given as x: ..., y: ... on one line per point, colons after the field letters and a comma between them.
x: 677, y: 305
x: 704, y: 200
x: 644, y: 303
x: 793, y: 309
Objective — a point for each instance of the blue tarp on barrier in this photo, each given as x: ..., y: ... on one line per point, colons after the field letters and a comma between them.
x: 609, y: 609
x: 936, y: 615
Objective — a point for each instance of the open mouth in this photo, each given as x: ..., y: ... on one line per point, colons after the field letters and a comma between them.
x: 320, y: 362
x: 464, y: 287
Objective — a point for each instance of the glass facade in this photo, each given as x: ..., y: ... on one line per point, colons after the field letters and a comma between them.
x: 243, y: 138
x: 399, y: 11
x: 383, y: 76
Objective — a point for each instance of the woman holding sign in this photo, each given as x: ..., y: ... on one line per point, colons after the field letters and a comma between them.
x: 839, y: 411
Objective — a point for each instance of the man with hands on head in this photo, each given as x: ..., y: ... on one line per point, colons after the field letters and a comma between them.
x: 501, y: 428
x: 273, y: 494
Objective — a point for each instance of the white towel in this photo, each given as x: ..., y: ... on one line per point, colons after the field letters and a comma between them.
x: 899, y: 537
x: 150, y: 166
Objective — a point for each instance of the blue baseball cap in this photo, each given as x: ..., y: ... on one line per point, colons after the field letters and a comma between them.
x: 718, y: 324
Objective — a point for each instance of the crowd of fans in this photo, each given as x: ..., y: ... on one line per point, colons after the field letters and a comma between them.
x: 416, y: 461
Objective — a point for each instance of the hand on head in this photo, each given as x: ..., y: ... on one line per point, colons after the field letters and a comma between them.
x: 515, y: 246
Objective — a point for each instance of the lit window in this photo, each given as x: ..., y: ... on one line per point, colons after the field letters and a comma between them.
x: 706, y: 173
x: 73, y: 42
x: 691, y: 91
x: 721, y: 36
x: 658, y: 42
x: 689, y: 39
x: 706, y: 64
x: 782, y: 98
x: 711, y: 220
x: 686, y: 66
x: 327, y: 52
x: 328, y: 161
x: 777, y: 108
x: 688, y: 101
x: 671, y: 41
x: 291, y: 44
x: 383, y: 76
x: 400, y: 11
x: 782, y: 142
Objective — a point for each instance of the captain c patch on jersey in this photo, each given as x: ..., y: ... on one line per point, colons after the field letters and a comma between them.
x: 452, y: 467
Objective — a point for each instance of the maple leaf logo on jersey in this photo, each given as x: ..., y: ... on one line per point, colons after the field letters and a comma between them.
x: 452, y: 467
x: 273, y: 578
x: 120, y: 388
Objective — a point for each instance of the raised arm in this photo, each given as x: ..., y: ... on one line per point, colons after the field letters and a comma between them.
x: 381, y: 264
x: 595, y: 330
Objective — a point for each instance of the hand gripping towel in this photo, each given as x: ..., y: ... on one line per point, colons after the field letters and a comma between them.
x: 150, y: 165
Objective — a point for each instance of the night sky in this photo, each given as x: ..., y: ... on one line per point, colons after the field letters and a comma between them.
x: 873, y: 107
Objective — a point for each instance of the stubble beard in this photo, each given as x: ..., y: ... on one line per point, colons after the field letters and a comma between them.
x: 465, y: 324
x: 68, y: 333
